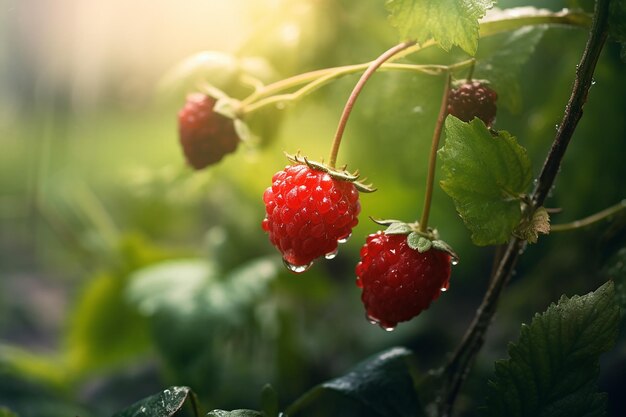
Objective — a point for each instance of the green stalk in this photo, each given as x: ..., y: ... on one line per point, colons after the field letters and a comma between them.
x: 372, y: 67
x: 432, y: 159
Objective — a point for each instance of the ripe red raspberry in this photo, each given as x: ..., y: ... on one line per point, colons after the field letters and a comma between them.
x: 307, y: 213
x: 205, y: 136
x: 399, y: 282
x: 473, y: 99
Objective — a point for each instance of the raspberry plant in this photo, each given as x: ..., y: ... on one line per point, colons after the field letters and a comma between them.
x: 406, y: 266
x: 311, y: 206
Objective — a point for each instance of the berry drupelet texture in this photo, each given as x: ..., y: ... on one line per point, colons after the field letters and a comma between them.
x: 205, y: 136
x: 308, y: 212
x: 399, y: 282
x: 473, y: 99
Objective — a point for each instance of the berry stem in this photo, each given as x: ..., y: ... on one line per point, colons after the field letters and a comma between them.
x: 325, y: 79
x: 460, y: 363
x: 432, y: 159
x: 345, y: 115
x: 588, y: 221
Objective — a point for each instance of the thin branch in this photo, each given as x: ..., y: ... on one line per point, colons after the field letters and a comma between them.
x: 460, y: 363
x: 588, y: 221
x: 432, y: 159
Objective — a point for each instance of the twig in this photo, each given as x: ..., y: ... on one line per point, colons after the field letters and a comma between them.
x: 461, y: 361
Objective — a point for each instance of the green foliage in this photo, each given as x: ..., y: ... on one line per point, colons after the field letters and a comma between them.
x: 617, y: 23
x: 553, y: 367
x: 381, y: 386
x: 106, y: 329
x: 448, y: 22
x: 235, y: 413
x: 616, y: 271
x: 500, y: 59
x: 164, y: 404
x: 5, y: 412
x: 485, y: 175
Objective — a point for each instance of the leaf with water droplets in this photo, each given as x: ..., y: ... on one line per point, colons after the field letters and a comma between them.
x: 164, y: 404
x: 486, y: 177
x: 235, y: 413
x: 381, y: 386
x: 553, y: 368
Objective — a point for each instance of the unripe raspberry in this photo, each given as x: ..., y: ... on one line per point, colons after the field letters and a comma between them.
x: 205, y: 136
x: 399, y: 282
x: 473, y: 99
x: 308, y: 212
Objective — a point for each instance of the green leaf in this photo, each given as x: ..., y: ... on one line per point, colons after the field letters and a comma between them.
x: 381, y: 386
x: 164, y: 404
x: 105, y: 329
x: 5, y: 412
x: 500, y: 59
x: 552, y: 370
x: 485, y: 175
x: 448, y: 22
x: 170, y: 286
x: 617, y: 23
x: 616, y: 271
x: 235, y: 413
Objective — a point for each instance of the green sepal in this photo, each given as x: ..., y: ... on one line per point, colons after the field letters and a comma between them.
x: 228, y: 107
x: 338, y: 174
x: 399, y: 228
x: 419, y: 243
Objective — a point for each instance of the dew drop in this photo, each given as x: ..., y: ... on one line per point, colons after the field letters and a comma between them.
x: 454, y: 261
x: 331, y: 255
x: 298, y: 269
x: 593, y: 82
x: 344, y: 239
x: 388, y: 328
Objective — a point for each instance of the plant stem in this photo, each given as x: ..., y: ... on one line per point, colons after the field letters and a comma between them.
x: 459, y: 365
x: 323, y: 80
x: 587, y: 221
x: 432, y: 159
x: 372, y: 67
x: 487, y: 28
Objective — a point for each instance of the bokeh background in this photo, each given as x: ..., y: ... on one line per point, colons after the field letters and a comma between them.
x: 123, y: 272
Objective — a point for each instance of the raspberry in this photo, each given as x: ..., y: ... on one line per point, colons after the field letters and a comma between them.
x: 399, y: 282
x: 473, y: 99
x: 308, y: 212
x: 205, y: 136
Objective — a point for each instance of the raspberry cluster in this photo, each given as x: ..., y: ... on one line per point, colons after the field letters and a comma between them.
x: 473, y: 99
x: 205, y: 136
x: 399, y: 282
x: 308, y: 212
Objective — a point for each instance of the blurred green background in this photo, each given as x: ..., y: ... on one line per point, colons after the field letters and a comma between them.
x: 123, y: 272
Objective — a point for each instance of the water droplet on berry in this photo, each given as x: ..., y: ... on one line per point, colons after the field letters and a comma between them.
x: 344, y: 239
x: 454, y: 261
x: 388, y: 328
x: 331, y: 255
x: 298, y: 269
